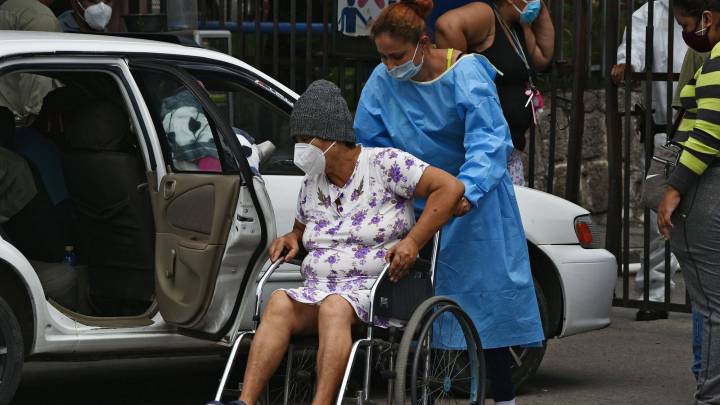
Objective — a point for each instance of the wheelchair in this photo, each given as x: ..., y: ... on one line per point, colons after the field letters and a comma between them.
x: 433, y: 356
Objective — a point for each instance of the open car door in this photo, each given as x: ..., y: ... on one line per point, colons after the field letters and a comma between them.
x: 213, y: 219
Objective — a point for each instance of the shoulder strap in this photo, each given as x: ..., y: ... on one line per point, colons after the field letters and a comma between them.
x: 449, y: 54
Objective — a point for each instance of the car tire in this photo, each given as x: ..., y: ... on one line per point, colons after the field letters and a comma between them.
x: 526, y: 360
x: 11, y: 353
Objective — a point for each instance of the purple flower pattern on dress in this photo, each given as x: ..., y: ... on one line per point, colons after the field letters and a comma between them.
x: 347, y: 249
x: 359, y: 217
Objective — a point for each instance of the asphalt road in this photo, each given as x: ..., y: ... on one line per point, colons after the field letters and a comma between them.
x: 629, y: 363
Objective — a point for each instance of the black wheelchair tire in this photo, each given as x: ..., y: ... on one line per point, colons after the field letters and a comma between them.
x: 419, y: 323
x: 11, y: 353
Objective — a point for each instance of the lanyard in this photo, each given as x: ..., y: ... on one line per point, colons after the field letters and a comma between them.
x: 535, y: 99
x: 517, y: 46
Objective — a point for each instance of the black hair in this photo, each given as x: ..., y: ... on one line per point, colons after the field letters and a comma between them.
x: 713, y: 5
x: 693, y: 8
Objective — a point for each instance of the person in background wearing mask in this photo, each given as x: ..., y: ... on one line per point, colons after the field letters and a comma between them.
x: 689, y: 213
x: 660, y: 56
x: 688, y: 14
x: 354, y: 215
x: 445, y: 110
x: 518, y: 38
x: 23, y: 93
x: 87, y: 16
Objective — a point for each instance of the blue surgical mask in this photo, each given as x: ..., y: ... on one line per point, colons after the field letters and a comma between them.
x: 530, y: 13
x: 407, y: 70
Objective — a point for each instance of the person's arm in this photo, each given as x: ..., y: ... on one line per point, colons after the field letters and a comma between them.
x: 464, y: 28
x: 540, y: 39
x: 487, y: 138
x: 637, y: 62
x: 443, y: 192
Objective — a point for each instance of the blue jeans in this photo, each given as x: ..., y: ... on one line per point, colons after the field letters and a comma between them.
x: 697, y: 327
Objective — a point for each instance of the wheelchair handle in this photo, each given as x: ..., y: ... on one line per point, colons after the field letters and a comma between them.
x: 385, y: 271
x: 259, y: 288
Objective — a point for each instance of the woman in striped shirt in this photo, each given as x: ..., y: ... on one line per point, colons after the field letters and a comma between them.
x: 689, y: 214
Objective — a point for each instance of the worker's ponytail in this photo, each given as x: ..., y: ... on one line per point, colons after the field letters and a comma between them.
x: 404, y: 20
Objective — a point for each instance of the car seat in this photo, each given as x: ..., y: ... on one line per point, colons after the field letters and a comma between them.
x: 106, y: 181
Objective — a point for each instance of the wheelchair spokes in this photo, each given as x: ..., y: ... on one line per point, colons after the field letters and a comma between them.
x: 294, y: 382
x: 440, y: 358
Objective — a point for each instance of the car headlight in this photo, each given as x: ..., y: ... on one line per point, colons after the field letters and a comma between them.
x: 585, y: 231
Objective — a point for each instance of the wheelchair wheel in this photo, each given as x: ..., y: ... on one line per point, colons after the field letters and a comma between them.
x: 294, y: 381
x: 440, y: 358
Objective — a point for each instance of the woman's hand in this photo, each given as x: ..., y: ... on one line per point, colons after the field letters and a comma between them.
x: 288, y: 242
x: 668, y: 204
x: 463, y: 207
x: 401, y: 257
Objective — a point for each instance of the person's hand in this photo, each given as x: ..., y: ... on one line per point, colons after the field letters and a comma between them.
x: 668, y: 205
x: 618, y: 73
x: 286, y: 243
x: 463, y: 207
x: 401, y: 257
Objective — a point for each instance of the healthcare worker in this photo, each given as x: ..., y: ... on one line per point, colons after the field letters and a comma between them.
x: 661, y: 12
x: 443, y: 108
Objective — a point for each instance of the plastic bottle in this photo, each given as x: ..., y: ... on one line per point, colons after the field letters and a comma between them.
x: 69, y: 256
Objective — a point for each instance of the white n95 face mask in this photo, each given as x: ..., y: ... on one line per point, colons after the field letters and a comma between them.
x: 97, y: 16
x: 309, y: 158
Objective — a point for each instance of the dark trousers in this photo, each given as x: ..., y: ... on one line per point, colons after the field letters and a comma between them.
x: 498, y: 363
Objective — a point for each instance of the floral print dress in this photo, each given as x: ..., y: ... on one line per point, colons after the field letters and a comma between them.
x: 349, y: 229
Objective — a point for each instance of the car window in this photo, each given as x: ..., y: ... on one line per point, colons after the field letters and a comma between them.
x: 189, y: 136
x: 255, y: 114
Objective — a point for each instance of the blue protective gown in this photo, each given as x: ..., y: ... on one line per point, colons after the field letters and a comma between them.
x: 455, y: 123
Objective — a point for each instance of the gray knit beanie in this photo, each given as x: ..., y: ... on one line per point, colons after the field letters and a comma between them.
x: 323, y: 113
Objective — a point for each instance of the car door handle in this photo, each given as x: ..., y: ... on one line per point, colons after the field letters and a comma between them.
x: 241, y: 218
x: 169, y: 189
x: 170, y: 272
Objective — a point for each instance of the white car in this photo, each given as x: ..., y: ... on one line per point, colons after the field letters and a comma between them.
x: 171, y: 233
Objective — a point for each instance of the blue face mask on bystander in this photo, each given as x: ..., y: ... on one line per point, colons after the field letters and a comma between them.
x: 407, y: 70
x: 530, y: 13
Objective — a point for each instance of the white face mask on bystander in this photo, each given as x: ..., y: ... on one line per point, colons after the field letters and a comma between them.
x: 97, y: 16
x: 309, y: 158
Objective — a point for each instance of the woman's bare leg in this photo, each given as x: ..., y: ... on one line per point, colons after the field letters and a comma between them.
x: 335, y: 319
x: 282, y: 318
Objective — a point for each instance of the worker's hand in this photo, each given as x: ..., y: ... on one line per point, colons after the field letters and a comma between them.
x: 668, y: 205
x: 618, y: 73
x: 287, y: 243
x: 463, y: 207
x: 401, y: 257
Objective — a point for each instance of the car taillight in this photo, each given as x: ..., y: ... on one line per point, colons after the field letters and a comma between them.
x: 583, y: 230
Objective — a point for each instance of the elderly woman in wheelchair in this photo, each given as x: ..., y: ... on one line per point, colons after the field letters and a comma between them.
x: 354, y: 215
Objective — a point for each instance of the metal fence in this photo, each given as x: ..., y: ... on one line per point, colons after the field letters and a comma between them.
x: 298, y: 42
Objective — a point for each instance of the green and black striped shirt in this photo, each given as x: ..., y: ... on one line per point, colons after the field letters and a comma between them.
x: 699, y: 131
